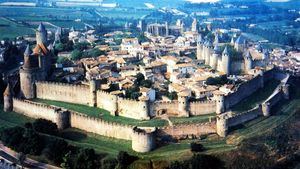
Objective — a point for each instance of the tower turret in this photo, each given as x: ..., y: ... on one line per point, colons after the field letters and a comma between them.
x: 167, y: 28
x: 41, y: 35
x: 209, y: 51
x: 220, y: 103
x: 248, y: 62
x: 7, y: 98
x: 266, y: 109
x: 226, y: 61
x: 199, y: 47
x: 183, y: 104
x: 93, y: 93
x: 222, y: 125
x: 240, y: 44
x: 194, y: 27
x: 215, y: 56
x: 27, y: 75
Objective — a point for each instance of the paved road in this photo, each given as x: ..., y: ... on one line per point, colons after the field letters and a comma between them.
x: 11, y: 156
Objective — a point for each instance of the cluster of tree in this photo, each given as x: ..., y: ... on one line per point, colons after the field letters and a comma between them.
x: 37, y: 139
x: 199, y: 161
x: 134, y: 92
x: 172, y: 95
x: 79, y: 54
x: 217, y: 80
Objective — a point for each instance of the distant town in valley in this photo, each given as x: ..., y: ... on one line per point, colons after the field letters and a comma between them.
x: 117, y: 84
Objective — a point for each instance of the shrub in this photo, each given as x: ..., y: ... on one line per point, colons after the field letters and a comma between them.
x: 45, y: 126
x: 197, y: 147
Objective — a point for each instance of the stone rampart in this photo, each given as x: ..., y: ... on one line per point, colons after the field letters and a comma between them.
x: 243, y: 90
x: 64, y: 92
x: 202, y: 108
x: 38, y: 110
x: 165, y: 107
x: 133, y: 109
x: 188, y: 130
x: 99, y: 126
x: 244, y: 117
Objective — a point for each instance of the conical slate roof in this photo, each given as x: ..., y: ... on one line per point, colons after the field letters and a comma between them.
x: 240, y: 40
x: 217, y: 49
x: 225, y: 52
x: 27, y: 51
x: 41, y: 27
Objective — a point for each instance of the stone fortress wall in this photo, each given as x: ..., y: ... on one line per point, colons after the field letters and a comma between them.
x: 117, y: 106
x: 141, y: 142
x: 78, y: 94
x: 194, y: 108
x: 202, y: 108
x: 188, y: 130
x: 247, y: 88
x: 227, y: 119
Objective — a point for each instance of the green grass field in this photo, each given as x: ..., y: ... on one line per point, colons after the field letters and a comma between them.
x: 9, y: 29
x: 192, y: 120
x: 105, y: 115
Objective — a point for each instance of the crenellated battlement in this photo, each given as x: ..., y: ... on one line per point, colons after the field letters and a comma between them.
x: 99, y: 120
x: 61, y: 84
x: 204, y: 102
x: 36, y: 104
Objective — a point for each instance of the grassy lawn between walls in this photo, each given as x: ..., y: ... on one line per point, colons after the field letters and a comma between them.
x: 105, y: 115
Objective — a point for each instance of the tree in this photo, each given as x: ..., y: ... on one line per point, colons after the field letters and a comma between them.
x: 76, y: 54
x: 124, y: 159
x: 85, y: 159
x: 81, y: 46
x: 197, y: 147
x: 56, y: 150
x: 45, y: 126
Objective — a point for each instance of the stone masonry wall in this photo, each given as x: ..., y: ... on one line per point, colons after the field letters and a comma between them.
x: 101, y: 127
x: 79, y: 94
x: 244, y: 117
x: 35, y: 110
x: 185, y: 131
x: 202, y: 108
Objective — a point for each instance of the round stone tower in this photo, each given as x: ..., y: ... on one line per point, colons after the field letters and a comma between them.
x: 226, y: 61
x: 27, y: 75
x: 41, y: 35
x: 209, y: 51
x: 7, y: 98
x: 248, y: 62
x: 93, y: 93
x: 63, y: 119
x: 199, y: 47
x: 220, y: 103
x: 143, y: 139
x: 222, y: 125
x: 183, y: 104
x: 215, y: 56
x: 266, y: 109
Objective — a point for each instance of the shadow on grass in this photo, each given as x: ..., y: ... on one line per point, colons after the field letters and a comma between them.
x: 73, y: 135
